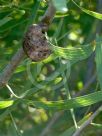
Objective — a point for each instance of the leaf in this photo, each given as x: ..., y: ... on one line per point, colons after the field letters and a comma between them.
x: 20, y: 69
x: 98, y: 59
x: 60, y: 15
x: 92, y: 13
x: 5, y: 20
x: 77, y: 102
x: 60, y: 5
x: 8, y: 110
x: 73, y: 53
x: 96, y: 125
x: 5, y: 104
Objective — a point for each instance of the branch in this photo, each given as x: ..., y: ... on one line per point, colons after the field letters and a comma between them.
x: 10, y: 68
x: 86, y: 123
x: 49, y: 14
x: 56, y: 116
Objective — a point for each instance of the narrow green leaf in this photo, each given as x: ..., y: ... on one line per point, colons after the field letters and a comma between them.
x: 77, y: 102
x: 5, y: 104
x: 73, y: 53
x: 60, y: 5
x: 20, y: 69
x: 5, y: 20
x: 59, y: 15
x: 98, y: 58
x: 96, y: 125
x: 8, y: 110
x: 92, y: 13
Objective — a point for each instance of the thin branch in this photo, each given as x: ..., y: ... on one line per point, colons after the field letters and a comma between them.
x: 86, y: 123
x: 15, y: 126
x: 56, y: 116
x: 10, y: 68
x: 14, y: 95
x: 49, y: 14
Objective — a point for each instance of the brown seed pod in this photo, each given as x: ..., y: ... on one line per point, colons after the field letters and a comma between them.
x: 35, y: 43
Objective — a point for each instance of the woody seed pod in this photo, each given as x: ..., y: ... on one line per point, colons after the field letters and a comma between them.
x: 35, y: 43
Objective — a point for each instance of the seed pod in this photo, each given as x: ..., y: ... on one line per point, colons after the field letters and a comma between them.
x: 35, y: 43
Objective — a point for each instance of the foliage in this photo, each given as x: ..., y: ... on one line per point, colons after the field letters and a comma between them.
x: 49, y: 84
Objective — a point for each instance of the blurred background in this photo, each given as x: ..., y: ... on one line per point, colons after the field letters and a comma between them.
x: 51, y: 78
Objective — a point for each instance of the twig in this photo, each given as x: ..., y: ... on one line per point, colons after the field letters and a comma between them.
x: 15, y: 126
x: 56, y: 116
x: 49, y: 14
x: 10, y: 68
x: 86, y: 123
x: 14, y: 95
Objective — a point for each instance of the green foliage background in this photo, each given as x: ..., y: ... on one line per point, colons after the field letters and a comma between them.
x: 76, y: 57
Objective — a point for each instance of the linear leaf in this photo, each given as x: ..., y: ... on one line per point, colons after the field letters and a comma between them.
x: 73, y: 53
x: 98, y: 58
x: 92, y: 13
x: 5, y: 20
x: 8, y: 110
x: 77, y: 102
x: 5, y: 104
x: 96, y: 125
